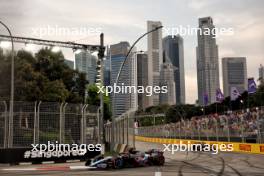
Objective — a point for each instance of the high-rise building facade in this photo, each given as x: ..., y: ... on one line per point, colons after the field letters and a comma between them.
x: 173, y: 52
x: 167, y: 79
x: 142, y: 79
x: 207, y: 62
x: 128, y: 77
x: 107, y: 71
x: 234, y: 74
x: 261, y: 73
x: 154, y: 58
x: 107, y: 68
x: 86, y: 63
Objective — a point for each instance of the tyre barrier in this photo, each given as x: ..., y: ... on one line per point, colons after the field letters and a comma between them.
x: 120, y: 148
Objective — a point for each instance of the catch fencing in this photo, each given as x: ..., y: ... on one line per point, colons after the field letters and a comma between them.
x: 245, y: 127
x: 122, y: 130
x: 40, y: 122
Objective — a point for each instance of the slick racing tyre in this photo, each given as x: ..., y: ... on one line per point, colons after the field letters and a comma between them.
x: 119, y: 163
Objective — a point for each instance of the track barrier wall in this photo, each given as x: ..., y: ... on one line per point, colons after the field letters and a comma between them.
x: 238, y: 147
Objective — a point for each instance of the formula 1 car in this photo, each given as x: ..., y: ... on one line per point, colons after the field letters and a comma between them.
x: 129, y: 159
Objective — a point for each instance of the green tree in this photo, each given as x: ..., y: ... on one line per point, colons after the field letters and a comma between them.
x: 54, y: 91
x: 94, y: 99
x: 43, y: 76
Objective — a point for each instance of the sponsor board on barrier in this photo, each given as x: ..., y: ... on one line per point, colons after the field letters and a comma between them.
x: 237, y: 147
x: 261, y: 148
x: 245, y: 147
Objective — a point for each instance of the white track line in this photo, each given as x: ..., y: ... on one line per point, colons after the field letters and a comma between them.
x: 50, y: 168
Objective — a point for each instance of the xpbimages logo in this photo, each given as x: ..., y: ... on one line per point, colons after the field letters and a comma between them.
x: 123, y: 89
x: 56, y: 149
x: 182, y: 147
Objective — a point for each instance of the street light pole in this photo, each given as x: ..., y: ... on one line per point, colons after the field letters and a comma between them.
x: 101, y: 119
x: 117, y: 78
x: 10, y: 130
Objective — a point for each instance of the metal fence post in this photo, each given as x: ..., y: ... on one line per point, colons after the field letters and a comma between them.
x: 185, y: 133
x: 62, y: 122
x: 228, y: 130
x: 123, y: 127
x: 117, y: 132
x: 133, y: 127
x: 242, y: 129
x: 199, y: 130
x: 10, y: 129
x: 98, y: 125
x: 259, y: 136
x: 180, y: 136
x: 127, y: 130
x: 207, y: 131
x: 35, y: 123
x: 216, y: 130
x: 83, y: 124
x: 120, y: 130
x: 82, y: 129
x: 6, y: 126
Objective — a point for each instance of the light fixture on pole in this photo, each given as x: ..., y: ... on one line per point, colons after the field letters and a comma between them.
x: 10, y: 131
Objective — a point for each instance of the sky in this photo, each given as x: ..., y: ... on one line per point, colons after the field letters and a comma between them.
x: 123, y: 20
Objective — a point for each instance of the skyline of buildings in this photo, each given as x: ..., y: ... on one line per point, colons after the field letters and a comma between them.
x: 173, y: 52
x: 234, y: 74
x: 207, y: 63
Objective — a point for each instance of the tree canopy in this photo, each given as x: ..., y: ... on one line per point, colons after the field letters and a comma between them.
x: 41, y: 77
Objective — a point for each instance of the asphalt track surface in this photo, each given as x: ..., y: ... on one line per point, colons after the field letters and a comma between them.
x: 180, y: 163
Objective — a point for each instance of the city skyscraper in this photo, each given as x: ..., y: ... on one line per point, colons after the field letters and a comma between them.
x: 173, y: 53
x: 107, y: 68
x: 207, y: 62
x: 167, y: 79
x: 261, y: 73
x: 107, y: 71
x: 142, y: 79
x: 128, y: 77
x: 154, y: 58
x: 234, y: 74
x: 86, y: 63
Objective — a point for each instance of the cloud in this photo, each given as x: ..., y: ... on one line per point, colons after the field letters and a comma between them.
x: 198, y: 5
